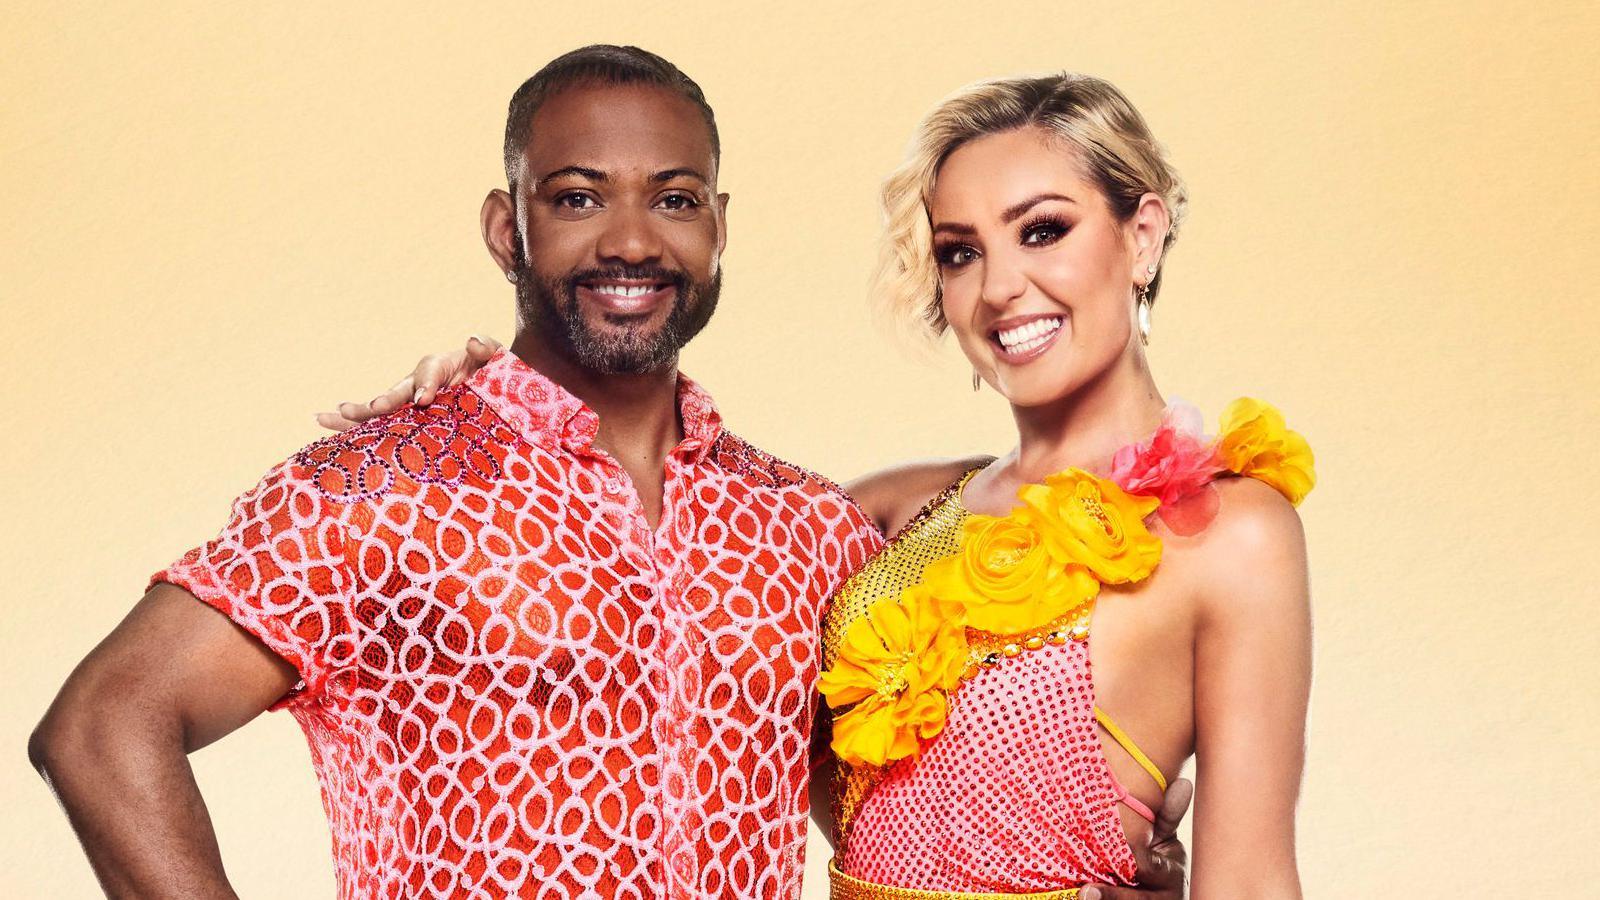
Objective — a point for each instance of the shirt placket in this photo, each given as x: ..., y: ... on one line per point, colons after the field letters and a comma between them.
x: 683, y: 820
x: 673, y: 726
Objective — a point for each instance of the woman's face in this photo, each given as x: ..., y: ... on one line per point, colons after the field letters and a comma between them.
x: 1038, y: 274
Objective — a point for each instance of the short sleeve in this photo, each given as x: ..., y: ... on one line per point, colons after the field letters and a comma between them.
x: 854, y: 536
x: 281, y: 570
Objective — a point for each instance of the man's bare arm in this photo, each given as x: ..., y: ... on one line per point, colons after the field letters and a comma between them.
x: 174, y: 676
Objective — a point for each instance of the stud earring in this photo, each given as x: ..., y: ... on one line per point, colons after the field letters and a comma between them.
x: 511, y: 277
x: 1150, y: 269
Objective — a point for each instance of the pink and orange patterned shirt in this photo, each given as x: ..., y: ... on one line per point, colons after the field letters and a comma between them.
x: 511, y: 684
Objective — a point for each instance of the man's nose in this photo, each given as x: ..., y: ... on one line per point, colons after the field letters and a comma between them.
x: 629, y: 238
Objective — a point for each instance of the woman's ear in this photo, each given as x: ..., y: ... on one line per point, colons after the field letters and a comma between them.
x: 1151, y: 222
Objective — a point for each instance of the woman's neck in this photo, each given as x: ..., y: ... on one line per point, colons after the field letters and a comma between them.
x: 1085, y: 428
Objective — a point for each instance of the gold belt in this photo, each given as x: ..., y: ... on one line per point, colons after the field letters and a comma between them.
x: 846, y: 887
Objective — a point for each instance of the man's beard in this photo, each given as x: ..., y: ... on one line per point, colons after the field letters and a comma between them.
x: 551, y: 306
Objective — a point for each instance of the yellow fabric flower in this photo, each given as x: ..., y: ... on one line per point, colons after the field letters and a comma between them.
x: 1256, y: 443
x: 1092, y: 522
x: 1006, y: 579
x: 897, y: 664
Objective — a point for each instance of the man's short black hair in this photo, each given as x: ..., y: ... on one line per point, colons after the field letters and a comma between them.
x: 596, y: 64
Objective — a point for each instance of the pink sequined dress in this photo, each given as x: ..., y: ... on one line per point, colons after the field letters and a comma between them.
x: 971, y: 761
x: 1015, y: 796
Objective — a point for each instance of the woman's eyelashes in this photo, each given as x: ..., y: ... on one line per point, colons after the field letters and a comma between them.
x: 1039, y: 232
x: 1043, y: 231
x: 953, y: 255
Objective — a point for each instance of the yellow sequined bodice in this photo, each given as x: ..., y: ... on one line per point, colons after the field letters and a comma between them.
x: 927, y: 538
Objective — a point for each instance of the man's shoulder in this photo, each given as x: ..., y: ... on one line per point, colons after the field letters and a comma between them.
x: 455, y: 439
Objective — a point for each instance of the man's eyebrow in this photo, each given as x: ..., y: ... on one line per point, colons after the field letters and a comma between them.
x: 669, y: 174
x: 1015, y: 211
x: 578, y: 171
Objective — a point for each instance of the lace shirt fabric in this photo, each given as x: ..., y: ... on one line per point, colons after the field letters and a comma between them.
x: 511, y: 684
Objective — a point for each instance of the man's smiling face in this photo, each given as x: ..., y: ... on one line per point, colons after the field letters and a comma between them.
x: 620, y: 226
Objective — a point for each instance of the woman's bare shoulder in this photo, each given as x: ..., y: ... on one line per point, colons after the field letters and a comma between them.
x: 892, y: 495
x: 1256, y: 540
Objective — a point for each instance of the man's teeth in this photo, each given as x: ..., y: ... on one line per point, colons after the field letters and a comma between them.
x: 1026, y: 337
x: 623, y: 290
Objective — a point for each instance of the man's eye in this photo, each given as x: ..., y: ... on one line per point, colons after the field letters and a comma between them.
x: 576, y: 201
x: 679, y: 202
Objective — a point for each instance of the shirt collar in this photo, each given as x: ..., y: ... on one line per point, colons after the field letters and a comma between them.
x: 548, y: 415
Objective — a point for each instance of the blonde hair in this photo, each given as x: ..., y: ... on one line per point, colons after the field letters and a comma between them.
x: 1113, y: 142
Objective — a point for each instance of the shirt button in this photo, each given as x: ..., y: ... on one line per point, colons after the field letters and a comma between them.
x: 614, y: 486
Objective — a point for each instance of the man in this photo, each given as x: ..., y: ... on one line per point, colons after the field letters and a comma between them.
x: 539, y: 634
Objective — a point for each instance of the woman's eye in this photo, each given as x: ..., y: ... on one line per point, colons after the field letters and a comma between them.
x: 956, y: 255
x: 679, y: 202
x: 1043, y: 233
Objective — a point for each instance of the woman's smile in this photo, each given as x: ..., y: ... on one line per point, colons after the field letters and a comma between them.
x: 1021, y: 339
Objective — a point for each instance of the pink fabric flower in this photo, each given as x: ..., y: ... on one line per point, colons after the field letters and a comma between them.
x: 1176, y: 466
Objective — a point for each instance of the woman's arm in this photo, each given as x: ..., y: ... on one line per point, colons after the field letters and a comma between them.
x: 434, y: 371
x: 1252, y: 684
x: 891, y: 496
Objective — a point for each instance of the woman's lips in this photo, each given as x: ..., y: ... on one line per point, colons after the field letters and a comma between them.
x: 1022, y: 339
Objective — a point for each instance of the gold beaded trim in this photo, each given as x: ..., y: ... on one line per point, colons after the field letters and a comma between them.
x: 989, y: 649
x: 845, y: 887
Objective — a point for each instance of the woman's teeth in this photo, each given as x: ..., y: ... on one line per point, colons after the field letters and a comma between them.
x: 1027, y: 337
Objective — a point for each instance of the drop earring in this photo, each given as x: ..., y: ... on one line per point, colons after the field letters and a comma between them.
x: 977, y: 380
x: 1144, y: 314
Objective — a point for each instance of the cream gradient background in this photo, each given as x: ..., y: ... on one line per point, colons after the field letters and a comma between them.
x: 213, y: 223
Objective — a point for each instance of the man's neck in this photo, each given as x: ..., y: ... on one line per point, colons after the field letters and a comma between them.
x: 638, y: 413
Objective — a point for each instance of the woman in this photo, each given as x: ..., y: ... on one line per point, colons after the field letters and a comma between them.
x: 986, y: 744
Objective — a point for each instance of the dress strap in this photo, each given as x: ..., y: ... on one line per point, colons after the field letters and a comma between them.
x: 1121, y: 737
x: 1130, y: 801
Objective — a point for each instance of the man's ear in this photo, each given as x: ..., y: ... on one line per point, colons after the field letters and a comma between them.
x: 722, y: 223
x: 498, y: 219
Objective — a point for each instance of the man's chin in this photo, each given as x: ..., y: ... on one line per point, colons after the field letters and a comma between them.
x: 625, y: 350
x: 624, y: 336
